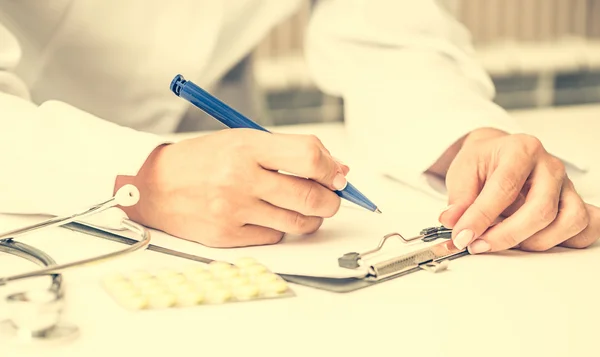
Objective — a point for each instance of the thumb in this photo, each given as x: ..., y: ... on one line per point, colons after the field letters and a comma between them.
x: 463, y: 186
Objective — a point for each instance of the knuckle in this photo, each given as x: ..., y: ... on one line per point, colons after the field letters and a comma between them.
x: 508, y: 240
x: 545, y: 246
x: 535, y: 245
x: 334, y: 207
x: 318, y: 221
x: 298, y: 222
x: 314, y: 155
x: 312, y: 199
x: 556, y: 167
x: 529, y: 143
x: 483, y: 215
x: 227, y: 176
x: 274, y: 238
x: 591, y: 232
x: 581, y: 242
x: 534, y: 144
x: 220, y: 207
x: 578, y: 220
x: 236, y: 139
x: 548, y: 210
x: 509, y: 187
x: 304, y: 225
x: 317, y: 201
x: 516, y: 145
x: 313, y: 140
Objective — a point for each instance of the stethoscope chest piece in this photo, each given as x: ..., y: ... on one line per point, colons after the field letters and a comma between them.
x: 34, y: 317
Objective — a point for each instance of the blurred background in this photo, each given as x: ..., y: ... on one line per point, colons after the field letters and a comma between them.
x: 539, y: 53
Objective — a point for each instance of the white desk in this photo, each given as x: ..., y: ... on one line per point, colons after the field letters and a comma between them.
x: 510, y: 304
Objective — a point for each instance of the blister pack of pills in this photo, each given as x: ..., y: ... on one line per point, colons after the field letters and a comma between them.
x: 215, y: 283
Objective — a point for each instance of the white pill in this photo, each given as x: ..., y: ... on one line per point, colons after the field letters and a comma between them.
x: 134, y: 302
x: 255, y: 269
x: 153, y: 290
x: 161, y: 301
x: 245, y: 292
x: 199, y: 276
x: 144, y: 282
x: 265, y: 278
x: 113, y: 278
x: 173, y: 280
x: 226, y: 274
x: 166, y: 274
x: 125, y: 292
x: 140, y: 274
x: 182, y: 288
x: 190, y: 298
x: 219, y: 266
x: 217, y: 296
x: 274, y: 288
x: 238, y: 280
x: 193, y: 270
x: 209, y: 285
x: 245, y: 261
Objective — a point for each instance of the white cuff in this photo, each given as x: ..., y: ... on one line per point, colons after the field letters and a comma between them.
x: 80, y: 157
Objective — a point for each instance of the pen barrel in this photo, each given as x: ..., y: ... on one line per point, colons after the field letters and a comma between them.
x: 211, y: 105
x: 352, y: 194
x: 234, y: 119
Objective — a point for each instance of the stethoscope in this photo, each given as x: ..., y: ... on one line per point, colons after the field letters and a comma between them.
x: 35, y: 316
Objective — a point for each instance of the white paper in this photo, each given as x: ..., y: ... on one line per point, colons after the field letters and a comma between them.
x: 353, y: 229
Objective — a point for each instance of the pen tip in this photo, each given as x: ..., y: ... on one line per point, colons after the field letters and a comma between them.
x: 377, y: 211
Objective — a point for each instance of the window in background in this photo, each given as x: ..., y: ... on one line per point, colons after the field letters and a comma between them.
x: 538, y: 52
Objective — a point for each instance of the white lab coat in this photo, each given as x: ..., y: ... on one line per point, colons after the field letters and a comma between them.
x: 84, y: 90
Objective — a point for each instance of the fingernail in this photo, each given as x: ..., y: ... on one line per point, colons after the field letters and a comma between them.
x: 479, y: 246
x: 339, y: 182
x: 442, y: 213
x: 463, y: 238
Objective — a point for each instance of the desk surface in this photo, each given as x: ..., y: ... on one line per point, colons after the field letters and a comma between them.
x: 508, y: 304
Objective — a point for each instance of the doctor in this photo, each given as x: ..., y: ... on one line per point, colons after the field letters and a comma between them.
x: 88, y: 81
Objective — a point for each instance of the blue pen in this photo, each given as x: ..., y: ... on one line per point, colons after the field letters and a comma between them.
x: 233, y: 119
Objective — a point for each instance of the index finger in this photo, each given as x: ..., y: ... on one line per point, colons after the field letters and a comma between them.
x: 538, y: 212
x: 301, y: 155
x: 498, y: 193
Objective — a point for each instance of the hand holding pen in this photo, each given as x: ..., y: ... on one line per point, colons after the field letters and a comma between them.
x: 234, y: 119
x: 225, y: 189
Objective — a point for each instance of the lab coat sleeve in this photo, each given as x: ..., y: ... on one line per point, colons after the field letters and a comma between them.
x: 54, y: 158
x: 410, y: 84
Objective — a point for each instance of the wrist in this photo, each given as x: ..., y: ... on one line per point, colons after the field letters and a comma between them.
x: 146, y: 181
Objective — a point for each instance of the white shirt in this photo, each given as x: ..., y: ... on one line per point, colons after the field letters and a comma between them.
x: 84, y: 85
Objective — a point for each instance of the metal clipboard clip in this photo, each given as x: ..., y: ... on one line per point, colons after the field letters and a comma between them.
x: 433, y: 258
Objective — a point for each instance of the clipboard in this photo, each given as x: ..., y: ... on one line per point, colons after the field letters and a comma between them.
x: 430, y: 251
x: 433, y: 253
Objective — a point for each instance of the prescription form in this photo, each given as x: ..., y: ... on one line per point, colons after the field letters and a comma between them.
x: 511, y: 303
